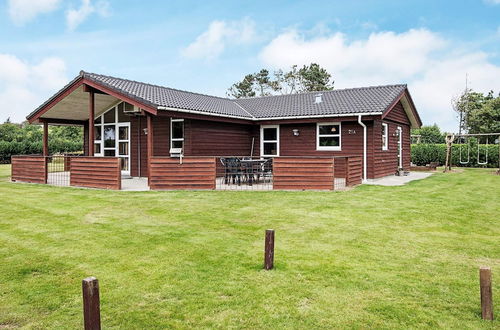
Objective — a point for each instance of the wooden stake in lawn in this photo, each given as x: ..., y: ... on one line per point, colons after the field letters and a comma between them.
x: 91, y: 309
x: 486, y: 293
x: 269, y: 250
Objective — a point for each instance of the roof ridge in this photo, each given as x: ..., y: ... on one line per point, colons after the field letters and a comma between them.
x: 241, y: 107
x: 154, y: 85
x: 323, y: 91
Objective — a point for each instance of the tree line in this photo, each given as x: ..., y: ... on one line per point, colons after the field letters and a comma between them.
x: 25, y: 139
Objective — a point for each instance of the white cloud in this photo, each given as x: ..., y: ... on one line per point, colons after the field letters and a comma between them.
x: 433, y: 67
x: 75, y: 17
x: 212, y: 42
x: 24, y: 86
x: 493, y: 2
x: 22, y: 11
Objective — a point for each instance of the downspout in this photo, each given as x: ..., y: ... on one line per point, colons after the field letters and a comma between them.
x: 364, y: 147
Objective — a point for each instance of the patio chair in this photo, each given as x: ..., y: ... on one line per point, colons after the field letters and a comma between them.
x: 266, y: 169
x: 232, y: 170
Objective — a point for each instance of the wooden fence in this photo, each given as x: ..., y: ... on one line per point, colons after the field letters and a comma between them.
x: 192, y: 173
x: 96, y: 172
x: 31, y: 169
x: 299, y: 173
x: 354, y: 170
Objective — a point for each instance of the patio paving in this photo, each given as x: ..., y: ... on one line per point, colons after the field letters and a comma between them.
x: 135, y: 184
x: 394, y: 180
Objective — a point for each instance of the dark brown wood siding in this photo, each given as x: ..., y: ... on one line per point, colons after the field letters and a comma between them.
x: 397, y: 114
x: 193, y: 173
x: 294, y: 173
x: 31, y: 169
x: 209, y: 138
x: 139, y: 143
x: 305, y: 143
x: 385, y: 162
x: 96, y: 172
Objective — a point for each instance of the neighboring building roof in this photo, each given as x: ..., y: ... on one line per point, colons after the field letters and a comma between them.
x: 339, y: 102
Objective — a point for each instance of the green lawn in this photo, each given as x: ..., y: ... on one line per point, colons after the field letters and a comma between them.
x: 372, y: 257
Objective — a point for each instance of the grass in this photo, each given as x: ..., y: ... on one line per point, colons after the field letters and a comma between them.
x: 372, y: 257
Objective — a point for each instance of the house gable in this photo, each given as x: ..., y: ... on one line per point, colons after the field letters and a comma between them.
x: 403, y: 111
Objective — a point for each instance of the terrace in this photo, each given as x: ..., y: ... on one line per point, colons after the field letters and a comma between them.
x: 195, y: 173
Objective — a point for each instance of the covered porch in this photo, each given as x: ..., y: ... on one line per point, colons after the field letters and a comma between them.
x: 115, y: 125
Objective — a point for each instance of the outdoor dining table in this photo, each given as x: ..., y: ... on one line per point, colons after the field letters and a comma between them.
x: 249, y: 165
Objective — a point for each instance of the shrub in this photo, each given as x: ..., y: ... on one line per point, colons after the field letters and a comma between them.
x: 423, y: 154
x: 11, y: 148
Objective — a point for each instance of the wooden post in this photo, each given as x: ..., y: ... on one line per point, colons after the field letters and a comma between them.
x: 269, y: 250
x: 486, y: 293
x: 45, y: 138
x: 149, y: 126
x: 91, y: 309
x: 91, y: 122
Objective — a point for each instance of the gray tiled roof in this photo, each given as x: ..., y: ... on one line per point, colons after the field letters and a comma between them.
x: 375, y: 99
x: 159, y: 96
x: 336, y: 102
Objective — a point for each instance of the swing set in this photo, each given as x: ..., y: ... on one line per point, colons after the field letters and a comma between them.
x: 462, y: 140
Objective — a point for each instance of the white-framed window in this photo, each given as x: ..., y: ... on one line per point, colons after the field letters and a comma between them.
x: 269, y: 140
x: 328, y: 136
x: 176, y: 134
x: 385, y: 137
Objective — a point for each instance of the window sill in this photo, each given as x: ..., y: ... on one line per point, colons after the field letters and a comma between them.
x: 328, y: 149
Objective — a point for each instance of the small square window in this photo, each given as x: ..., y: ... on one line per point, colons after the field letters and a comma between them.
x: 328, y: 136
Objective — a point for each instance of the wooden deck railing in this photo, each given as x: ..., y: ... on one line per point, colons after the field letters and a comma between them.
x: 96, y: 172
x: 192, y: 173
x: 299, y: 173
x: 354, y: 174
x: 32, y: 169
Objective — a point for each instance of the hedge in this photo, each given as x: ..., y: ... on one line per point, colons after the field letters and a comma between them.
x: 423, y: 154
x: 8, y: 149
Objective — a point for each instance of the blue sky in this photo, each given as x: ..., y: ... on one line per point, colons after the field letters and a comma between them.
x: 205, y: 46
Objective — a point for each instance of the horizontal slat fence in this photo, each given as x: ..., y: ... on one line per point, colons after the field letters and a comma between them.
x: 298, y: 173
x: 193, y: 173
x: 31, y: 169
x: 96, y: 172
x: 354, y: 170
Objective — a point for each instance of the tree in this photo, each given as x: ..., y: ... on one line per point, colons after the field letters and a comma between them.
x: 429, y: 134
x: 485, y: 119
x: 479, y: 112
x: 306, y: 79
x: 243, y: 88
x: 315, y: 78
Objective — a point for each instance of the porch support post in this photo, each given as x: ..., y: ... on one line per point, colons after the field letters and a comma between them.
x: 91, y: 122
x: 45, y: 138
x: 150, y: 142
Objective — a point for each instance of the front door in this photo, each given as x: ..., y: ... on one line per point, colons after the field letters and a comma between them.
x: 123, y: 146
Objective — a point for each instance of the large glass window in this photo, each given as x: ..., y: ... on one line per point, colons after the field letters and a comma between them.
x: 112, y: 135
x: 269, y: 140
x: 328, y: 136
x: 385, y: 137
x: 176, y: 133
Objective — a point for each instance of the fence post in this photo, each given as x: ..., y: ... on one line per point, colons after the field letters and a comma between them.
x: 269, y: 250
x: 486, y: 293
x: 91, y: 309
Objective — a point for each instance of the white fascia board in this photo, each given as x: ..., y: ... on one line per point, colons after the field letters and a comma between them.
x: 270, y: 118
